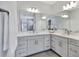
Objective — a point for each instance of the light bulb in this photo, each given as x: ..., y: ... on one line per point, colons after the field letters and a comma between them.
x: 64, y: 8
x: 27, y: 9
x: 36, y: 11
x: 64, y: 16
x: 33, y: 9
x: 67, y: 7
x: 74, y: 4
x: 30, y: 9
x: 71, y: 4
x: 44, y: 17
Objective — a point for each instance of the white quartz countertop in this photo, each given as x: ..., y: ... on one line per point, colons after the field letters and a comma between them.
x: 32, y: 34
x: 71, y: 36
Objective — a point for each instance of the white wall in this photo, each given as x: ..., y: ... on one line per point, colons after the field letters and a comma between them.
x: 72, y: 23
x: 41, y: 24
x: 74, y: 20
x: 43, y: 8
x: 12, y: 8
x: 58, y: 6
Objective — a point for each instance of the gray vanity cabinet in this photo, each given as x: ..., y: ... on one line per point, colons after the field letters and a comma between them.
x: 31, y: 46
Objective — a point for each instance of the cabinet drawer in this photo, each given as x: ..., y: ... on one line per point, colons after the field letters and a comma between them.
x: 21, y: 53
x: 47, y: 47
x: 74, y: 42
x: 31, y: 37
x: 21, y: 39
x: 39, y: 36
x: 22, y: 42
x: 21, y: 46
x: 73, y: 51
x: 46, y: 36
x: 47, y: 43
x: 47, y: 40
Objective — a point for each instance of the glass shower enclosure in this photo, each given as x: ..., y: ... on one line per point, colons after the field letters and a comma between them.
x: 4, y: 32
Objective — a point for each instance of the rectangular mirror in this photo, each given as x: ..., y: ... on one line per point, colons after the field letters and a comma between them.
x: 26, y: 21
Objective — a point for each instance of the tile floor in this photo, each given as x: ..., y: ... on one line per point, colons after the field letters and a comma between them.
x: 45, y: 54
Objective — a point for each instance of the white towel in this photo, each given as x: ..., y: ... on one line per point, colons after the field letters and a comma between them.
x: 6, y: 33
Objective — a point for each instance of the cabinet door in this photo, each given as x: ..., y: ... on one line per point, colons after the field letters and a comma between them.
x: 62, y: 47
x: 55, y: 44
x: 31, y: 46
x: 21, y: 49
x: 59, y: 45
x: 35, y: 45
x: 39, y: 45
x: 73, y: 51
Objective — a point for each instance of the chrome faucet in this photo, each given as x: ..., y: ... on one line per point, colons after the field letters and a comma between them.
x: 67, y: 31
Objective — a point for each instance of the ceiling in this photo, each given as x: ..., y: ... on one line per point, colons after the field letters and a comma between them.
x: 49, y: 2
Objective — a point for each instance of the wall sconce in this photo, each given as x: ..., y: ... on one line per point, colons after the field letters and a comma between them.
x: 64, y: 16
x: 44, y: 17
x: 70, y: 5
x: 33, y: 10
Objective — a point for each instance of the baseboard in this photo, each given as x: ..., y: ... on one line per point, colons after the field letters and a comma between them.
x: 37, y: 53
x: 44, y: 51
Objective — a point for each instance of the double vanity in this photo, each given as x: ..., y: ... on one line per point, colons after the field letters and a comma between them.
x: 63, y: 44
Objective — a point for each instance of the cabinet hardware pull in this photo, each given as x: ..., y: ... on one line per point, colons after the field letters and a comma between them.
x: 60, y: 44
x: 35, y: 42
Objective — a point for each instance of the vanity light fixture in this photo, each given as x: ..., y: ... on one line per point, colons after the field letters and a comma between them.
x: 33, y: 10
x: 70, y: 5
x: 44, y: 17
x: 64, y: 16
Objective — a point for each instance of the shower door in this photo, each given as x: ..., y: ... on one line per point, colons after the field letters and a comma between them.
x: 4, y: 33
